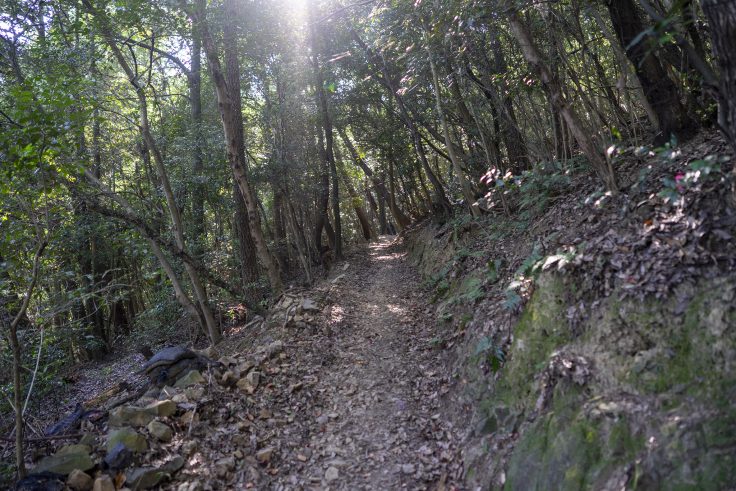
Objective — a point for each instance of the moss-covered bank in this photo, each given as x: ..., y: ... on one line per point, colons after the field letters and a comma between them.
x: 594, y: 393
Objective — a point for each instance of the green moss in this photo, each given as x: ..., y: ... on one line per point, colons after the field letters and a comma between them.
x: 542, y: 328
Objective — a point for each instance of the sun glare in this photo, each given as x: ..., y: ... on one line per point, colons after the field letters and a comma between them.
x: 296, y: 8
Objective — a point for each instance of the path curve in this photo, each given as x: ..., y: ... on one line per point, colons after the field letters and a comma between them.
x: 375, y: 420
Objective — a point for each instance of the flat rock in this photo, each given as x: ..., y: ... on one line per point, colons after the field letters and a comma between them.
x: 130, y: 416
x: 103, y: 483
x: 264, y: 455
x: 192, y: 377
x: 132, y: 440
x: 162, y: 408
x: 249, y: 383
x: 144, y: 477
x: 160, y: 431
x: 66, y: 460
x: 332, y: 474
x: 310, y: 305
x: 80, y: 481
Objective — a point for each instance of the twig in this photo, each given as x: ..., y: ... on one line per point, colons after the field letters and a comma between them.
x: 44, y: 438
x: 35, y: 371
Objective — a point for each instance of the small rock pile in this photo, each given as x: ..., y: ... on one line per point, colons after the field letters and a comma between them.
x: 145, y: 443
x: 295, y: 311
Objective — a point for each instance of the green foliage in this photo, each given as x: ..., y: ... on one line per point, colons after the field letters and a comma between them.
x: 697, y: 172
x: 487, y: 351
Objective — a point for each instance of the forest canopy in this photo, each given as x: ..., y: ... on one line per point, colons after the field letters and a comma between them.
x: 171, y: 166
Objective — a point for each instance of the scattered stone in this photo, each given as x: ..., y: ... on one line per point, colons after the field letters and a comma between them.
x: 103, y: 483
x: 130, y: 416
x: 88, y: 439
x: 160, y: 431
x: 332, y: 474
x: 310, y: 305
x: 132, y: 440
x: 189, y: 447
x: 162, y: 408
x: 190, y: 486
x: 194, y: 393
x: 188, y: 417
x: 224, y: 465
x: 230, y: 378
x: 407, y: 469
x: 264, y: 455
x: 249, y: 383
x: 66, y: 460
x: 174, y: 465
x: 192, y: 377
x: 144, y: 477
x: 80, y: 481
x: 118, y: 458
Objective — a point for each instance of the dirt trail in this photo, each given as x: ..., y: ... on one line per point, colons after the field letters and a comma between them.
x: 373, y: 419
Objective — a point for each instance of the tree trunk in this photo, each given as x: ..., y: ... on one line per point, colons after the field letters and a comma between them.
x: 228, y: 102
x: 464, y: 184
x: 211, y: 325
x: 195, y: 96
x: 721, y: 17
x: 322, y: 103
x: 402, y: 221
x: 246, y: 247
x: 441, y: 204
x: 658, y: 88
x: 587, y: 145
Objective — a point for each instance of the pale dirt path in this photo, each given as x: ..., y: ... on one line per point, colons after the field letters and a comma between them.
x: 373, y: 419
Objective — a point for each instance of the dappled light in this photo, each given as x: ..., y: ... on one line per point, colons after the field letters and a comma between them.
x: 357, y: 245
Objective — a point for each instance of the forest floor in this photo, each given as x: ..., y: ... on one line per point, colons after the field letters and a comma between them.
x: 366, y: 413
x: 353, y: 399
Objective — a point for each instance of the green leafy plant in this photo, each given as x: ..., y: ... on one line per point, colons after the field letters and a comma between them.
x: 488, y: 351
x: 697, y: 172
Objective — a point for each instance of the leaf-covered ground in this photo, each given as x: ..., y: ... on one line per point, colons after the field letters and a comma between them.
x: 341, y: 387
x: 354, y: 401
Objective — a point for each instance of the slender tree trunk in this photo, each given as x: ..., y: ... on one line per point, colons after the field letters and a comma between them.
x: 246, y: 248
x: 659, y: 89
x: 195, y: 96
x: 441, y: 203
x: 721, y: 17
x: 402, y: 221
x: 587, y: 145
x: 464, y: 184
x: 228, y: 101
x: 322, y: 103
x: 212, y: 327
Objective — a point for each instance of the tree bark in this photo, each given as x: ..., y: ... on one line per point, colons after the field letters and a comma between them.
x: 464, y: 184
x: 587, y: 145
x: 402, y: 221
x: 326, y: 124
x: 721, y: 17
x: 228, y: 102
x: 658, y: 88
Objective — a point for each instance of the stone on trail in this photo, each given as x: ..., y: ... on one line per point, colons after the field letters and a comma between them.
x: 160, y: 431
x: 144, y: 477
x: 80, y: 481
x: 191, y: 378
x: 250, y: 382
x: 66, y: 460
x: 264, y: 455
x: 310, y: 305
x: 162, y: 408
x: 332, y: 474
x: 130, y: 416
x: 132, y: 440
x: 103, y: 483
